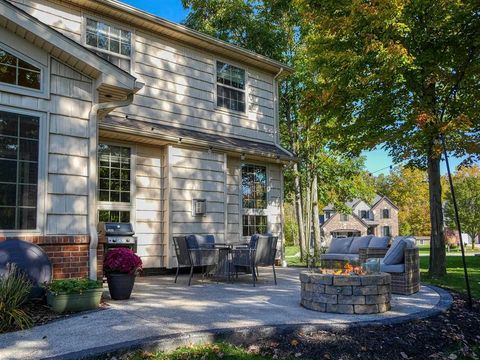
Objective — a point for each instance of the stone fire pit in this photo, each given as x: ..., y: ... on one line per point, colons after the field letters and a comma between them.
x: 346, y: 294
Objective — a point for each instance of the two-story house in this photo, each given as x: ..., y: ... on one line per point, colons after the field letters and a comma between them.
x: 379, y: 218
x: 109, y: 113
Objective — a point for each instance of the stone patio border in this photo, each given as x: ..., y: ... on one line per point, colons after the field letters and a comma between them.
x: 248, y: 335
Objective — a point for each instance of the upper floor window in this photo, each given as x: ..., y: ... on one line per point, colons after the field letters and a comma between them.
x: 386, y: 231
x: 15, y: 71
x: 364, y: 214
x: 230, y: 87
x: 385, y: 214
x: 19, y: 137
x: 254, y: 187
x: 108, y: 38
x: 328, y: 214
x: 343, y: 217
x: 114, y: 173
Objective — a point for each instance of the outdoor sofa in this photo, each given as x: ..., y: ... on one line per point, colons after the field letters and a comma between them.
x: 399, y: 257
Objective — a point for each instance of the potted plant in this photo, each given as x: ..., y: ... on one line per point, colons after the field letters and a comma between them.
x: 72, y: 295
x: 121, y: 266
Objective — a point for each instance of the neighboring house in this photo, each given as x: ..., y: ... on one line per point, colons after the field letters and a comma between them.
x: 108, y: 113
x: 380, y: 219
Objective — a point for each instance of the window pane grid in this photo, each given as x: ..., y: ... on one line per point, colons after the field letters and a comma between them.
x: 108, y: 37
x: 18, y: 72
x: 18, y: 178
x: 114, y: 216
x: 254, y: 224
x: 114, y: 173
x: 254, y: 187
x: 230, y: 87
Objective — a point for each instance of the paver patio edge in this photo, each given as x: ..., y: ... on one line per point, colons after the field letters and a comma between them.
x: 247, y: 335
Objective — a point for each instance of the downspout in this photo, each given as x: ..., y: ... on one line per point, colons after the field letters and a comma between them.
x: 92, y: 177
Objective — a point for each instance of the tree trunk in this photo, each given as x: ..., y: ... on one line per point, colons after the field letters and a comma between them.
x: 437, y: 266
x: 299, y: 210
x: 316, y: 217
x: 308, y: 220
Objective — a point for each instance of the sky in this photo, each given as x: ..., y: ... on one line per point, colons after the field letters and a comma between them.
x: 377, y: 161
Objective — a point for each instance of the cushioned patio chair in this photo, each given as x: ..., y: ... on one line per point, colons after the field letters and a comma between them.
x: 192, y: 257
x: 261, y: 252
x: 401, y: 261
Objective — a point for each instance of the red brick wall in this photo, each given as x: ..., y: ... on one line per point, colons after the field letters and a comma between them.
x: 68, y: 254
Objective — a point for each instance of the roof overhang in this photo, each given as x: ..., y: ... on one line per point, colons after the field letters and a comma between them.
x: 127, y: 129
x: 144, y: 20
x: 110, y: 79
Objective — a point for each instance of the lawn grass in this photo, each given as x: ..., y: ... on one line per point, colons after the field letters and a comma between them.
x: 202, y: 352
x: 425, y: 250
x: 453, y: 280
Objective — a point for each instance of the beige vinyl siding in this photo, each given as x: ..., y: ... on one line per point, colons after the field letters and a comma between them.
x: 197, y: 174
x: 149, y: 206
x: 67, y: 190
x: 234, y: 220
x: 274, y: 199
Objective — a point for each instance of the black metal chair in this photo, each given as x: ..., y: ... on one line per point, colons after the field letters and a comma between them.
x: 262, y: 253
x: 191, y: 258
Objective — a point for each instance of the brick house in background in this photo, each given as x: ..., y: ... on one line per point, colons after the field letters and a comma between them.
x: 380, y: 219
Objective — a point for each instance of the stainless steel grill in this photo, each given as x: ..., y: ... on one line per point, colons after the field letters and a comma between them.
x: 117, y: 235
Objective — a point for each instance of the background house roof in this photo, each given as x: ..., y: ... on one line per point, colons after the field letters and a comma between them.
x: 351, y: 204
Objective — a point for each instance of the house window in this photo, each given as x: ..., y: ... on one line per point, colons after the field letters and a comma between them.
x: 230, y: 87
x: 15, y: 71
x: 108, y: 38
x: 114, y: 216
x: 254, y: 187
x: 364, y: 214
x: 114, y: 173
x: 386, y: 214
x: 254, y: 224
x: 343, y: 217
x: 19, y: 139
x: 386, y: 231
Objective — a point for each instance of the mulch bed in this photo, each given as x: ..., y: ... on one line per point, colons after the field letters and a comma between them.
x: 452, y: 335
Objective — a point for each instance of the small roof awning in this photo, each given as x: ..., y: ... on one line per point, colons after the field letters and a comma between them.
x: 148, y: 132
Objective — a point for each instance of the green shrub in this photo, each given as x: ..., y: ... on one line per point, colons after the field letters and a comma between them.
x: 14, y: 291
x: 72, y: 286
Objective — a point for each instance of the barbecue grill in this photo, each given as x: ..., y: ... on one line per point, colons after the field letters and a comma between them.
x: 117, y: 235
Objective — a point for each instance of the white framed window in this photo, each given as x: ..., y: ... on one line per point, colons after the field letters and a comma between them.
x: 254, y: 224
x: 115, y: 189
x: 21, y: 74
x: 364, y: 214
x: 22, y: 136
x: 231, y: 84
x: 386, y: 214
x: 254, y: 192
x: 386, y: 231
x: 108, y: 38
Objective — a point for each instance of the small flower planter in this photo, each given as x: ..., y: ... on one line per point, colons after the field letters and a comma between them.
x: 72, y: 295
x: 120, y: 285
x: 87, y: 300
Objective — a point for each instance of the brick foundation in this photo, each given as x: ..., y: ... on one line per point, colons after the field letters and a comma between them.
x: 68, y: 254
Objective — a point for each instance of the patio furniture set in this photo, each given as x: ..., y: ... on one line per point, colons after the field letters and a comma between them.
x: 225, y: 259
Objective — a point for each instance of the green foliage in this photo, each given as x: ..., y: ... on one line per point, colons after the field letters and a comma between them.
x: 14, y: 291
x: 466, y: 184
x: 290, y: 227
x: 204, y: 352
x: 407, y: 187
x: 72, y: 286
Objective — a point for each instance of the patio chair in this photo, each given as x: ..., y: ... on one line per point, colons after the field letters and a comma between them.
x: 261, y: 252
x: 187, y: 257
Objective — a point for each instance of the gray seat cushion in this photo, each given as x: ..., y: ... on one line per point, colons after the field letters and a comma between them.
x: 379, y: 242
x: 340, y: 257
x: 200, y: 241
x: 359, y: 243
x: 339, y: 245
x: 396, y: 268
x: 395, y: 255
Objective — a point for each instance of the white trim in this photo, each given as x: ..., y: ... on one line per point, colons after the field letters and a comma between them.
x: 246, y: 90
x: 42, y: 171
x: 43, y: 92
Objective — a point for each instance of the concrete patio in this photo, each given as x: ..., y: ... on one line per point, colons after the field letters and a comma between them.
x: 163, y: 314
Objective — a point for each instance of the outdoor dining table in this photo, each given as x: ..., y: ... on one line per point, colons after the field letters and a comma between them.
x: 224, y: 263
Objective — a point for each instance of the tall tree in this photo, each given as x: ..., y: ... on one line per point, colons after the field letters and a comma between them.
x: 401, y: 74
x: 467, y: 193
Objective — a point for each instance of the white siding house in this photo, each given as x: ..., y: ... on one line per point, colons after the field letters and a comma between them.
x: 130, y: 117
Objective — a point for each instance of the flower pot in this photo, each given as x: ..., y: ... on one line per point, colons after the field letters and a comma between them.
x: 87, y: 300
x: 120, y: 285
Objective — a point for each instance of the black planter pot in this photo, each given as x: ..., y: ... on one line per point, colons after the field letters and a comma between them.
x: 120, y: 285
